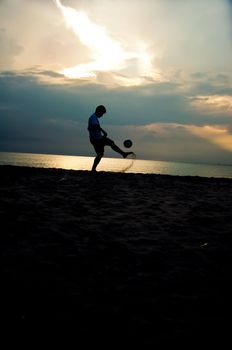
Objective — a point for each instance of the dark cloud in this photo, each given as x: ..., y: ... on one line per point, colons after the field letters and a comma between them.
x: 39, y: 117
x: 154, y: 103
x: 211, y: 82
x: 51, y: 74
x: 199, y: 75
x: 211, y: 87
x: 37, y: 72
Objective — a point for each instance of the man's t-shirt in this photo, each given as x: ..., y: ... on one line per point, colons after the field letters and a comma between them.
x: 94, y: 134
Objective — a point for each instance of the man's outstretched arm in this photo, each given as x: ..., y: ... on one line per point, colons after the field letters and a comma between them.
x: 104, y: 132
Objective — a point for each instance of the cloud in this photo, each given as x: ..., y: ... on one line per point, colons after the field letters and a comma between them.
x: 107, y: 53
x: 53, y: 136
x: 179, y: 108
x: 230, y: 6
x: 215, y: 134
x: 148, y: 40
x: 38, y: 28
x: 164, y: 102
x: 218, y: 135
x: 208, y: 143
x: 9, y: 49
x: 39, y: 117
x: 213, y: 103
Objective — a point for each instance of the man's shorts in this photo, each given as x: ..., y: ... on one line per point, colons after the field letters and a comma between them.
x: 101, y: 143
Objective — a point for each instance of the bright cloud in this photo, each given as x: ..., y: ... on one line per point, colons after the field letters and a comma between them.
x: 107, y: 53
x: 213, y: 102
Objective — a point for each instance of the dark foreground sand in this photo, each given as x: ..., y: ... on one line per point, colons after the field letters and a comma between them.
x: 125, y: 256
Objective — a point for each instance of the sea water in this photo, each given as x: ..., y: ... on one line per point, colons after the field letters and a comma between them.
x: 115, y: 165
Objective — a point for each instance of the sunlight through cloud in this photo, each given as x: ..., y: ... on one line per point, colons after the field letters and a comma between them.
x: 107, y: 54
x: 216, y: 134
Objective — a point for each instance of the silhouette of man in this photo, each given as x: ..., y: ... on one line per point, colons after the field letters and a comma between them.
x: 98, y: 137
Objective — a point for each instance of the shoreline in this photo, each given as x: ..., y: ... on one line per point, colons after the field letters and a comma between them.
x: 5, y: 167
x: 145, y: 256
x: 118, y: 165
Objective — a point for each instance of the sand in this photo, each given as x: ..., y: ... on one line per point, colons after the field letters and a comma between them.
x: 137, y: 257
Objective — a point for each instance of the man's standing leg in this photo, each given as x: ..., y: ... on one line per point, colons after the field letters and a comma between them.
x: 97, y: 161
x: 99, y: 149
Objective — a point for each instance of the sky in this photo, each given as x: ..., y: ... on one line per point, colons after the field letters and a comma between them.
x: 162, y: 69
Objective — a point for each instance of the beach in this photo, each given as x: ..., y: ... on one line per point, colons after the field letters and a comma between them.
x: 141, y: 257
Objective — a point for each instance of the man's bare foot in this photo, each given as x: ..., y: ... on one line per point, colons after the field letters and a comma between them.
x: 127, y: 154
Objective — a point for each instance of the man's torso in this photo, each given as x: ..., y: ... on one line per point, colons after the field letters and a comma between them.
x: 94, y: 133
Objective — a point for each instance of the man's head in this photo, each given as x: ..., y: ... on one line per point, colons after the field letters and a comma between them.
x: 100, y: 110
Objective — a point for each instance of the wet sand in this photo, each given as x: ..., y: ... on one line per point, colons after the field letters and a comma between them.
x: 144, y: 258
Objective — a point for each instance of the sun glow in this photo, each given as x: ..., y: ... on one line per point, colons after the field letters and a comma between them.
x: 215, y: 134
x: 218, y: 135
x: 107, y: 53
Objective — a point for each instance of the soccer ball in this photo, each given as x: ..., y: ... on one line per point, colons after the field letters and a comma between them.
x: 127, y: 143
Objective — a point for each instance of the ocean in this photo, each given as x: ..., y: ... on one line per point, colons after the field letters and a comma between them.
x: 115, y: 165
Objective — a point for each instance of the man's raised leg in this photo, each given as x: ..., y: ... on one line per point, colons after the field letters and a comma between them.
x: 118, y: 150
